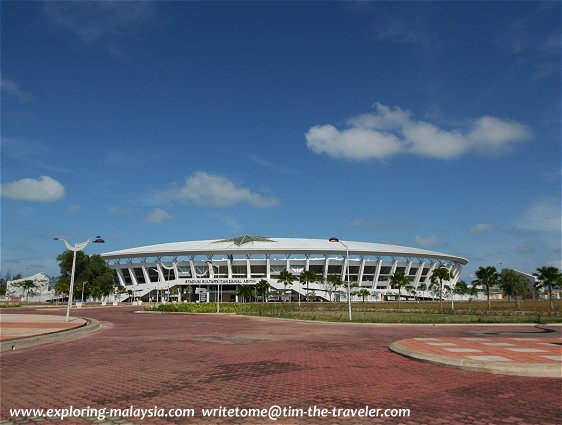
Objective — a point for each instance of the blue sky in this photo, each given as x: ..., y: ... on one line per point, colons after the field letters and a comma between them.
x: 426, y: 124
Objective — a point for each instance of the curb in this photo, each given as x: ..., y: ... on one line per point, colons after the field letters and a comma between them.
x: 90, y: 326
x: 538, y: 370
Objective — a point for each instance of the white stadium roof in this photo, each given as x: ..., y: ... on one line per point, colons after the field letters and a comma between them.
x: 247, y: 244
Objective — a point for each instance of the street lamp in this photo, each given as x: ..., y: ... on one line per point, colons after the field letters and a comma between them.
x: 334, y: 239
x: 83, y: 286
x: 212, y: 276
x: 158, y: 283
x: 77, y: 247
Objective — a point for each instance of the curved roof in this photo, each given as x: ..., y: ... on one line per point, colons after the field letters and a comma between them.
x: 253, y: 245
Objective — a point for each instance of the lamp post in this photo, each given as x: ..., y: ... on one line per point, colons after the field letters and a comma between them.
x: 83, y: 286
x: 334, y: 239
x: 77, y: 247
x: 212, y: 276
x: 158, y: 283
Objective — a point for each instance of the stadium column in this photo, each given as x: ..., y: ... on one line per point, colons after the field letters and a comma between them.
x: 421, y: 266
x: 120, y: 276
x: 248, y: 268
x: 393, y: 268
x: 377, y: 272
x: 361, y: 270
x: 268, y: 266
x: 145, y: 274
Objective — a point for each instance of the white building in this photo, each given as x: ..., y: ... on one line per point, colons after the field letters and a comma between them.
x: 211, y: 267
x: 41, y: 293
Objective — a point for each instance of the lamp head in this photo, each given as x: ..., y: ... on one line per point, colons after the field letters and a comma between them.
x: 98, y: 239
x: 334, y: 239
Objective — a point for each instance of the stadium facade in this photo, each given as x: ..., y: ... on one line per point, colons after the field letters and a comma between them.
x: 205, y: 270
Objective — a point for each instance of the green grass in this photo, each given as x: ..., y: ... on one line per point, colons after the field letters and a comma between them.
x: 385, y: 312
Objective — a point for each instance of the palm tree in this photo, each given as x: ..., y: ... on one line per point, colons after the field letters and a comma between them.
x: 308, y: 276
x: 486, y: 277
x: 286, y: 278
x: 263, y: 286
x: 245, y: 292
x: 399, y: 280
x: 422, y: 287
x: 548, y: 277
x: 363, y: 293
x: 439, y: 275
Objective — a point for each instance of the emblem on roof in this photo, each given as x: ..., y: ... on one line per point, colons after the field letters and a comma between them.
x: 244, y: 239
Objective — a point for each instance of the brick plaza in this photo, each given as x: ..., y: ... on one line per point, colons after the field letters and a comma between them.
x: 211, y: 361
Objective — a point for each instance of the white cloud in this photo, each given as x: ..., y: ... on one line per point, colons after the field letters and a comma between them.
x: 94, y: 20
x: 157, y: 215
x: 209, y: 190
x: 482, y: 228
x: 44, y: 189
x: 390, y: 131
x: 119, y: 210
x: 544, y: 215
x: 429, y: 241
x: 13, y: 89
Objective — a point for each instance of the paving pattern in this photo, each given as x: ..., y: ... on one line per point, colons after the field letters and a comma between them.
x: 20, y: 325
x: 514, y: 349
x: 209, y: 361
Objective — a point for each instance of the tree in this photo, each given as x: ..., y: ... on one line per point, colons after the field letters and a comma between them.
x: 308, y: 276
x: 363, y: 293
x: 92, y: 270
x: 263, y: 287
x: 513, y: 285
x: 411, y: 289
x: 119, y: 291
x: 440, y: 275
x: 245, y: 292
x: 486, y: 277
x: 4, y: 281
x: 333, y: 282
x: 399, y: 280
x: 286, y: 278
x: 422, y: 287
x: 461, y: 288
x: 28, y: 288
x: 548, y: 277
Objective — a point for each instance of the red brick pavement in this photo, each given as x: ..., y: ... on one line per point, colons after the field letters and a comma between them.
x: 195, y: 361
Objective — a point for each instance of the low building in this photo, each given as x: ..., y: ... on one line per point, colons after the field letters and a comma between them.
x: 210, y: 269
x: 41, y: 293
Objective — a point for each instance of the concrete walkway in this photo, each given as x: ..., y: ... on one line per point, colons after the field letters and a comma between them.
x: 522, y: 356
x: 24, y: 330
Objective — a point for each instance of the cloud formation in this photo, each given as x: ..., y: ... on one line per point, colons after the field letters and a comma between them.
x: 429, y: 241
x: 13, y: 89
x: 44, y: 189
x: 209, y: 190
x: 544, y: 215
x: 391, y: 131
x: 482, y: 228
x: 157, y: 215
x: 94, y: 20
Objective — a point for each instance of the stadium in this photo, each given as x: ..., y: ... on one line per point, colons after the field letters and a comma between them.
x: 214, y: 270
